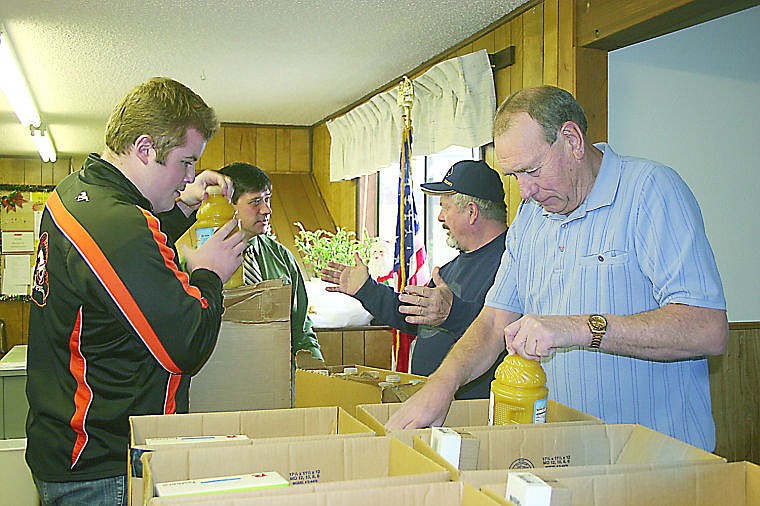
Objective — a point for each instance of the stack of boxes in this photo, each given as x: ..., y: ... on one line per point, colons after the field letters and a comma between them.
x: 336, y: 450
x: 333, y: 447
x: 573, y: 459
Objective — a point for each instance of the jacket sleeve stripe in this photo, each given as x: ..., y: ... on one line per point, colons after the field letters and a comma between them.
x: 104, y: 271
x: 83, y: 393
x: 170, y: 402
x: 168, y: 255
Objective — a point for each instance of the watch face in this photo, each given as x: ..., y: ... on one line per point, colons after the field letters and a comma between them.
x: 598, y: 322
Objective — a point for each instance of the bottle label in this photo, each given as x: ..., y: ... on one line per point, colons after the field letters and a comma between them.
x: 539, y: 410
x: 490, y: 409
x: 203, y: 234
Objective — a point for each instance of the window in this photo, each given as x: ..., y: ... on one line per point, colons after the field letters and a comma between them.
x: 424, y: 169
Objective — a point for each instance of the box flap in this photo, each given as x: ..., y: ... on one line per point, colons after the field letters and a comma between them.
x: 439, y: 494
x: 384, y: 482
x: 264, y: 302
x: 702, y: 483
x: 301, y: 462
x: 347, y: 424
x: 374, y: 416
x: 642, y: 444
x: 421, y: 444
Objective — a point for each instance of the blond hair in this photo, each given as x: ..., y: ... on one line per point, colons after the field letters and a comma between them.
x: 162, y: 108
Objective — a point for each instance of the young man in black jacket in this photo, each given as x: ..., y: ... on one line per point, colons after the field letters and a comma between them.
x: 116, y: 329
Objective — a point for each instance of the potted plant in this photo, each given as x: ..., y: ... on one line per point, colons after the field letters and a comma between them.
x: 319, y: 247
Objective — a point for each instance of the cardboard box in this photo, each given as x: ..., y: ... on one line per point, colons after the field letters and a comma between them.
x: 438, y: 494
x: 263, y: 425
x: 698, y: 484
x: 463, y: 415
x: 250, y: 367
x: 16, y: 484
x: 382, y: 461
x: 535, y: 446
x: 316, y: 389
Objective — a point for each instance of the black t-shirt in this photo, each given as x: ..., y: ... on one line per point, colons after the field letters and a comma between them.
x: 469, y: 276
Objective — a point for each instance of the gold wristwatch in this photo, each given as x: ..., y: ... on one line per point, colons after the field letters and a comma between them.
x: 598, y: 326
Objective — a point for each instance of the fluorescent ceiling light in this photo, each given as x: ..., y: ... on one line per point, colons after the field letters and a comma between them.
x: 14, y: 87
x: 44, y: 144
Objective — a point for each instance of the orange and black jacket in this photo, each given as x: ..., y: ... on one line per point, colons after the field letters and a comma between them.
x: 115, y: 329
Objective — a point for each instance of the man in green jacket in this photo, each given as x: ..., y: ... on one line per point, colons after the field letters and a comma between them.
x: 264, y: 258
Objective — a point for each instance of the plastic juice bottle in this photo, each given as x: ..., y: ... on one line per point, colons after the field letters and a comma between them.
x: 214, y: 212
x: 518, y: 392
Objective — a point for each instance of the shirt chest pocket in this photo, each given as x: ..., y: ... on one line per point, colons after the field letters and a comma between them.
x: 603, y: 258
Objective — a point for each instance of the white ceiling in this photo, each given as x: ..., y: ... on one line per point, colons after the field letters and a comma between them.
x: 284, y: 62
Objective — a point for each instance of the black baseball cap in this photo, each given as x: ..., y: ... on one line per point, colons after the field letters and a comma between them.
x: 470, y: 177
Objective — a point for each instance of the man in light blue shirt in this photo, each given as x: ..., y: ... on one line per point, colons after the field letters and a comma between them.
x: 607, y: 278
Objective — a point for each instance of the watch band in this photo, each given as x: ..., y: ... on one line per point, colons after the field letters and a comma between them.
x: 597, y: 324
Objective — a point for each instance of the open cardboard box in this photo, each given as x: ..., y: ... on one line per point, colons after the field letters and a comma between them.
x: 346, y: 494
x: 376, y: 461
x: 703, y: 483
x: 250, y: 367
x: 463, y: 414
x: 316, y: 389
x: 525, y: 447
x: 256, y: 425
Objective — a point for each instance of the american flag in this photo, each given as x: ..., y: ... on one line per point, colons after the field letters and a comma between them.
x: 409, y: 257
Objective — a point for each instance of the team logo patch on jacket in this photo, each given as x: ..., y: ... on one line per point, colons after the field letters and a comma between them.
x: 41, y: 287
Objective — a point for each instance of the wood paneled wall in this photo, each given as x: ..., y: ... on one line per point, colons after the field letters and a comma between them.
x: 274, y: 149
x: 33, y: 171
x: 340, y: 197
x: 611, y: 24
x: 369, y: 346
x: 15, y: 314
x: 734, y: 382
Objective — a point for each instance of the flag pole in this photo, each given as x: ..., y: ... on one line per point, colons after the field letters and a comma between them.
x: 405, y: 100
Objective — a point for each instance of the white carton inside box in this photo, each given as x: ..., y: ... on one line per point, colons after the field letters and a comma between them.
x: 218, y: 484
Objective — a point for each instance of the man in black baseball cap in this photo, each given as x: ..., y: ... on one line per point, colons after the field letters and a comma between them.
x: 474, y: 214
x: 469, y: 177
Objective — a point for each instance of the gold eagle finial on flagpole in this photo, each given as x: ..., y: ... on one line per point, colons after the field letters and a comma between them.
x: 405, y: 100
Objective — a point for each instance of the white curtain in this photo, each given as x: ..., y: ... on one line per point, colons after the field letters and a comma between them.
x: 454, y: 104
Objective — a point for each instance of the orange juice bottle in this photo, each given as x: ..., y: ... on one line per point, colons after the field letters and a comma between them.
x: 518, y: 392
x: 214, y: 212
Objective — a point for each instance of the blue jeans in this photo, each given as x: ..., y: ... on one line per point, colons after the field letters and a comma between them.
x: 104, y: 492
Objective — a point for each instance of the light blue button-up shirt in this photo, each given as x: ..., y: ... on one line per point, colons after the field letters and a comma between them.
x: 635, y: 244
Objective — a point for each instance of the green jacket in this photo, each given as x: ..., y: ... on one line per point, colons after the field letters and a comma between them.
x: 276, y: 261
